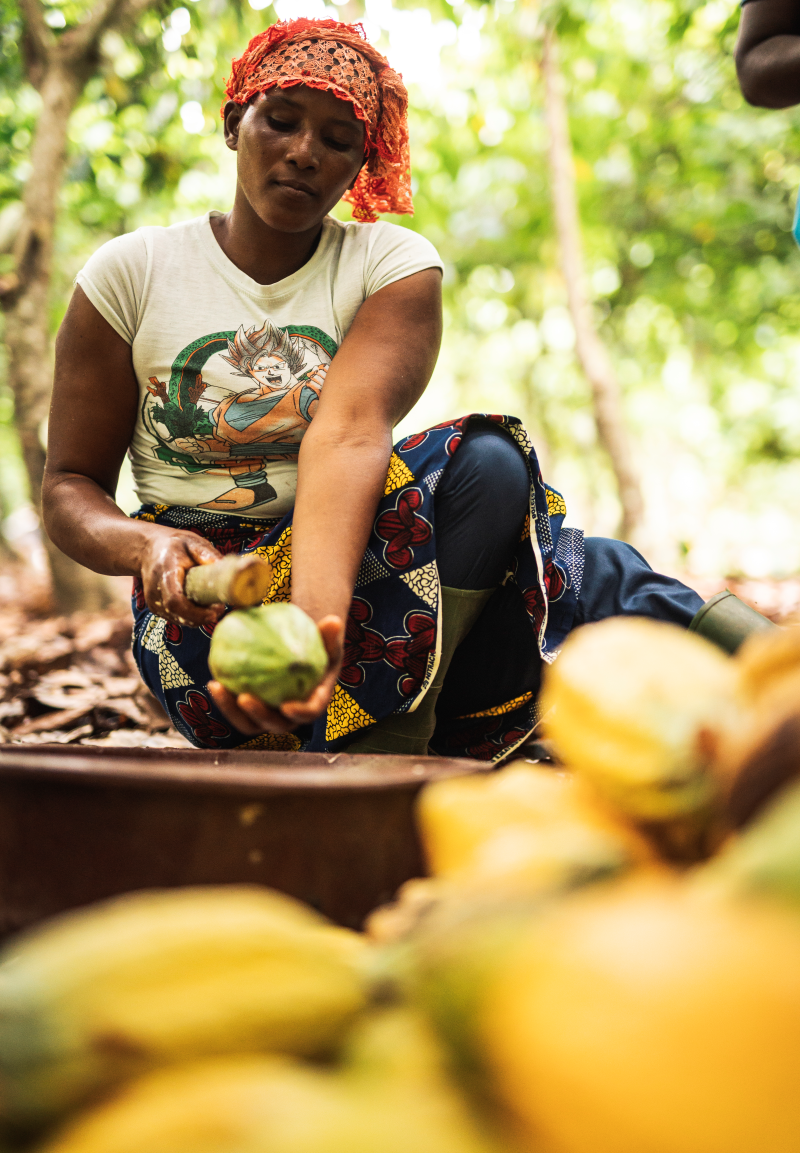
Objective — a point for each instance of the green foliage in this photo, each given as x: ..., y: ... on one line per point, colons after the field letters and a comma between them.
x: 686, y: 199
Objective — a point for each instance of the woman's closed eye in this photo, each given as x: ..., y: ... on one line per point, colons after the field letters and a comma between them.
x: 287, y: 126
x: 338, y: 145
x: 281, y: 125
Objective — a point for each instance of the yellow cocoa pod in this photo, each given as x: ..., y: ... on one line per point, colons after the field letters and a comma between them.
x: 759, y: 756
x: 764, y: 860
x: 644, y: 1020
x: 639, y: 708
x: 449, y: 961
x: 525, y: 826
x: 209, y: 1107
x: 153, y: 978
x: 766, y: 660
x: 274, y: 1105
x: 522, y: 859
x: 456, y: 816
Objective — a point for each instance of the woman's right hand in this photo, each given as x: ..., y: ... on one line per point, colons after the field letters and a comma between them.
x: 253, y: 717
x: 166, y: 558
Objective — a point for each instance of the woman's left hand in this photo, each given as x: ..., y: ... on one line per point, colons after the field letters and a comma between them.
x: 252, y: 717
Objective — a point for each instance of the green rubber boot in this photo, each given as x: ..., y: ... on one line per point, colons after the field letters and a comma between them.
x: 728, y: 621
x: 409, y: 733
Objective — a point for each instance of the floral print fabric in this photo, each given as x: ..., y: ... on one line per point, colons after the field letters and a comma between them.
x: 393, y: 632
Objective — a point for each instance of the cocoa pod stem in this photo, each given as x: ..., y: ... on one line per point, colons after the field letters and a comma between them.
x: 238, y: 581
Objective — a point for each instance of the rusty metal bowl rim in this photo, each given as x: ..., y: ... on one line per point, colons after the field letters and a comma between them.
x: 227, y: 771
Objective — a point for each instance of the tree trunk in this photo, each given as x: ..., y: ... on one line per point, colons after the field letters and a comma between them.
x: 59, y: 67
x: 592, y: 353
x: 27, y: 326
x: 27, y: 306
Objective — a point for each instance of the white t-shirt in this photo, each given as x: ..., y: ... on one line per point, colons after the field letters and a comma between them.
x: 229, y: 370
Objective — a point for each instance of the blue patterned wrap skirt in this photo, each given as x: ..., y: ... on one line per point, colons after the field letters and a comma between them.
x: 393, y: 635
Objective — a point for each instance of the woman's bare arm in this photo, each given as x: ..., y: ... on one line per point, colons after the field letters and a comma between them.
x: 768, y: 53
x: 376, y: 377
x: 92, y: 417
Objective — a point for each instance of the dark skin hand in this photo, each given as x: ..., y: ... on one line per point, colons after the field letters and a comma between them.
x: 768, y: 53
x: 298, y: 151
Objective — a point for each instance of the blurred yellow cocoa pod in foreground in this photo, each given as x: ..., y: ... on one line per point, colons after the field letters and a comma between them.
x: 105, y: 993
x: 448, y: 962
x: 412, y: 902
x: 395, y: 1099
x: 524, y: 824
x: 206, y: 1107
x: 525, y: 859
x: 763, y: 754
x: 456, y: 816
x: 766, y: 661
x: 764, y: 860
x: 639, y: 707
x: 643, y: 1020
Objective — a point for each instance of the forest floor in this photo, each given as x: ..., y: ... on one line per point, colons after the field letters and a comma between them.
x: 71, y: 679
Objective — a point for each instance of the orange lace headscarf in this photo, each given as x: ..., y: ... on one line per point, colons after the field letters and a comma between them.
x: 338, y: 58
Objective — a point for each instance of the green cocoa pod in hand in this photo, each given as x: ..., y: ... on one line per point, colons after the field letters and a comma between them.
x: 273, y: 651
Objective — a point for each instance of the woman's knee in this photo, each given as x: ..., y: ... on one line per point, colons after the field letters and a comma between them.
x: 488, y: 466
x: 481, y: 502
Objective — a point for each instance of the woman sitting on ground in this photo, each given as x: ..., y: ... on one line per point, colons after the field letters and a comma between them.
x: 253, y: 364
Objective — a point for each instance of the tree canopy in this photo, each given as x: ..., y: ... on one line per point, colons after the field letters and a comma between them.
x: 686, y: 199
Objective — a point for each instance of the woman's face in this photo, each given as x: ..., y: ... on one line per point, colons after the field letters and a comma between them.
x: 298, y: 151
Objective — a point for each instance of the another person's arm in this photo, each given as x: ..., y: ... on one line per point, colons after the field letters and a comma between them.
x: 92, y: 417
x: 768, y: 53
x: 376, y: 377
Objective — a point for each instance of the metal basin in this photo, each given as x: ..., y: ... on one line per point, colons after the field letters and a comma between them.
x: 78, y: 825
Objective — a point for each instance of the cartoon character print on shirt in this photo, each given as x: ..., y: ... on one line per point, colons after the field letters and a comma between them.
x: 202, y: 424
